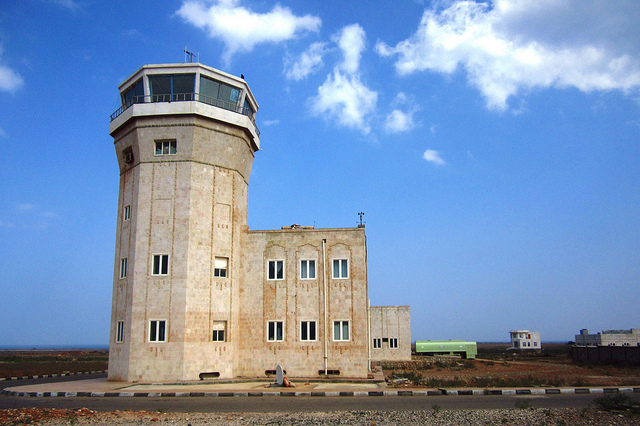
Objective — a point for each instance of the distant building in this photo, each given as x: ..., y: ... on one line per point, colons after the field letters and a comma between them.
x: 609, y: 338
x: 525, y: 339
x: 390, y: 333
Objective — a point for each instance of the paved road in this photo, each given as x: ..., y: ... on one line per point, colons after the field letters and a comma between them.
x: 291, y: 404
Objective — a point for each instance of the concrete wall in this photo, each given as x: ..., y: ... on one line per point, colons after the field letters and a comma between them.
x: 388, y: 323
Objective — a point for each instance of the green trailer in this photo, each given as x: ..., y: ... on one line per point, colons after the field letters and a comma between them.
x: 466, y: 350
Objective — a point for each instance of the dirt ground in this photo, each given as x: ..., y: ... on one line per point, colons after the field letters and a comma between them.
x: 497, y: 367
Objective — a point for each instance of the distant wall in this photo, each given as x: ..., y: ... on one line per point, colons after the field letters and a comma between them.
x: 612, y: 354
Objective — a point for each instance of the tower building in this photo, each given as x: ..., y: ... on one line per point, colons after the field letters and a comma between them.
x: 196, y: 294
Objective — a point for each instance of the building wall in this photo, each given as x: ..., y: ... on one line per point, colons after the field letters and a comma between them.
x: 609, y: 338
x: 525, y: 339
x: 292, y: 300
x: 389, y: 323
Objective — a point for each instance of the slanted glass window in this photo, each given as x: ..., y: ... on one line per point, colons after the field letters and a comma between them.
x: 157, y: 330
x: 275, y: 331
x: 341, y: 330
x: 219, y: 331
x: 123, y: 267
x: 160, y: 264
x: 340, y: 268
x: 276, y: 270
x: 219, y: 94
x: 172, y: 87
x: 307, y: 331
x: 133, y: 95
x: 247, y: 109
x: 166, y: 147
x: 220, y: 267
x: 307, y: 269
x: 120, y: 332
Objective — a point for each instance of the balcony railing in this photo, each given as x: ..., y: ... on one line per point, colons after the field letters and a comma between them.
x: 188, y: 97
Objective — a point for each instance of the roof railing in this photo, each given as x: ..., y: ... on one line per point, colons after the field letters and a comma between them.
x: 188, y: 97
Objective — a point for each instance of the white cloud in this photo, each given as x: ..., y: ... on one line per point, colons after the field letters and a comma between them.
x: 343, y: 96
x: 241, y: 29
x: 397, y: 120
x: 270, y: 122
x: 524, y: 44
x: 433, y: 157
x: 308, y: 62
x: 10, y: 81
x: 69, y: 4
x: 351, y: 41
x: 346, y: 99
x: 25, y: 207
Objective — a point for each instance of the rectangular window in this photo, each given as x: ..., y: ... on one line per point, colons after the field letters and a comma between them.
x: 340, y: 268
x: 165, y: 147
x: 308, y: 331
x: 157, y: 330
x: 133, y: 95
x: 172, y: 87
x: 219, y: 331
x: 120, y: 332
x: 275, y: 331
x: 127, y: 212
x: 340, y: 330
x: 160, y: 264
x: 307, y: 269
x: 123, y: 267
x: 220, y: 267
x: 219, y: 94
x: 393, y: 343
x: 276, y: 270
x: 535, y: 343
x: 377, y: 343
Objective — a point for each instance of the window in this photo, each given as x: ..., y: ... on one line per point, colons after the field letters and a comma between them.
x: 535, y: 343
x: 123, y: 267
x: 133, y: 95
x: 307, y: 269
x: 220, y: 267
x: 377, y: 343
x: 219, y: 331
x: 167, y: 88
x: 393, y: 343
x: 165, y: 147
x: 160, y: 264
x: 120, y: 332
x: 157, y: 330
x: 340, y: 330
x: 275, y: 331
x: 340, y: 268
x: 127, y: 212
x: 308, y: 331
x: 219, y: 94
x: 276, y: 270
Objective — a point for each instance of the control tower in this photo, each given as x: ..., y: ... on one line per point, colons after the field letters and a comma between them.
x: 185, y: 138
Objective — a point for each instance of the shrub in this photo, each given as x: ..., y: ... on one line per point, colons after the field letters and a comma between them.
x: 613, y: 401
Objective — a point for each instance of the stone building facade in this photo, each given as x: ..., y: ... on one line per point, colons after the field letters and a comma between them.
x: 390, y: 333
x: 609, y: 338
x: 196, y: 293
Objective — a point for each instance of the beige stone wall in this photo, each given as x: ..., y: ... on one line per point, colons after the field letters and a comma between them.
x: 293, y: 300
x: 391, y: 322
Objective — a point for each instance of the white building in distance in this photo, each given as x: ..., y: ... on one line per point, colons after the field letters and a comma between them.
x: 609, y: 338
x: 525, y: 339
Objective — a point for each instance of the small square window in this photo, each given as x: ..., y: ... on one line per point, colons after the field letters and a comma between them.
x: 308, y: 331
x: 165, y: 147
x: 393, y: 343
x: 307, y: 269
x: 275, y: 331
x: 276, y: 270
x: 160, y: 264
x: 340, y: 268
x: 219, y: 331
x: 123, y: 267
x: 221, y: 265
x: 341, y: 330
x: 157, y: 330
x: 120, y: 332
x: 377, y: 343
x: 127, y: 212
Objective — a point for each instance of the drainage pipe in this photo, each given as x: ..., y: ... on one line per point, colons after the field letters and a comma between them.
x: 324, y: 291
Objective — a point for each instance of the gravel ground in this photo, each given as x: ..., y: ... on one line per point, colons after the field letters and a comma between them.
x: 369, y: 418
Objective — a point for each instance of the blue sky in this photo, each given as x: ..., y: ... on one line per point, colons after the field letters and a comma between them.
x: 494, y: 148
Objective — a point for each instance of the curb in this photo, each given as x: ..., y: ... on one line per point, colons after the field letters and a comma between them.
x: 536, y: 391
x: 48, y: 376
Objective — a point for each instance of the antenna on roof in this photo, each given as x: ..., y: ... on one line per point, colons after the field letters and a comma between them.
x: 361, y: 224
x: 189, y: 54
